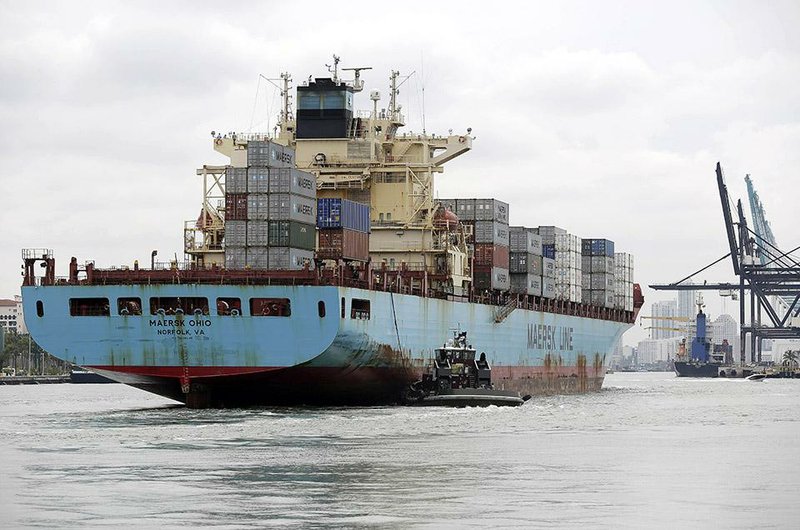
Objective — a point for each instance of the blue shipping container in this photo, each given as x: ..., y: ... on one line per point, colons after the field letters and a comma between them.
x: 549, y: 251
x: 602, y: 247
x: 341, y: 213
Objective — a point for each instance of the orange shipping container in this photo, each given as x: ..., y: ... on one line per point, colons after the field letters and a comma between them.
x: 343, y: 244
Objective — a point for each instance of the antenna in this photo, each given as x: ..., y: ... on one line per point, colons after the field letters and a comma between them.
x: 335, y: 68
x: 358, y: 83
x: 394, y: 91
x: 285, y: 90
x: 422, y: 67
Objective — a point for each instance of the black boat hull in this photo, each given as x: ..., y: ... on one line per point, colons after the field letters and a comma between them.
x: 686, y: 369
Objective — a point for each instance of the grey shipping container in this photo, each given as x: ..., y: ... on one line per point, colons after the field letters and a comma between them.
x: 465, y: 209
x: 286, y: 207
x: 292, y: 234
x: 493, y: 278
x: 258, y: 257
x: 548, y: 288
x: 236, y: 179
x: 525, y: 263
x: 491, y: 210
x: 269, y: 154
x: 235, y: 233
x: 602, y: 281
x: 258, y: 180
x: 288, y: 258
x: 257, y: 233
x: 491, y: 232
x: 235, y: 257
x: 257, y: 207
x: 548, y: 267
x: 522, y: 239
x: 291, y: 180
x: 526, y: 284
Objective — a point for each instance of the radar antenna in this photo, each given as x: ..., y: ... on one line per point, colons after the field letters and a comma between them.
x: 358, y: 83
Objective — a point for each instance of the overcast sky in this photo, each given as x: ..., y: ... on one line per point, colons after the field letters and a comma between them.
x: 605, y: 118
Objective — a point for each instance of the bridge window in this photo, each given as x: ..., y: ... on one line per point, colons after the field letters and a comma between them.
x: 179, y: 305
x: 129, y: 306
x: 229, y: 307
x: 89, y: 307
x: 343, y: 307
x: 321, y: 309
x: 39, y: 308
x: 270, y: 307
x: 359, y: 309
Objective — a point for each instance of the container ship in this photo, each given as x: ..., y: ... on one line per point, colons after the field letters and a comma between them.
x: 323, y: 270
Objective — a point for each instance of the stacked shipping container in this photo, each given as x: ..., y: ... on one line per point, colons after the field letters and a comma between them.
x: 491, y: 235
x: 343, y: 230
x: 568, y: 267
x: 623, y: 277
x: 526, y: 262
x: 598, y: 272
x: 270, y: 211
x: 488, y: 219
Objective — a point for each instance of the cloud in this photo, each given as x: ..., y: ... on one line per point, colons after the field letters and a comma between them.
x: 597, y: 118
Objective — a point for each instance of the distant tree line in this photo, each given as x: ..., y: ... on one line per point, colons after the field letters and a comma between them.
x: 14, y: 355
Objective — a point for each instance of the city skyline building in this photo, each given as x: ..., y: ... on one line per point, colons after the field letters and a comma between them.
x: 664, y: 328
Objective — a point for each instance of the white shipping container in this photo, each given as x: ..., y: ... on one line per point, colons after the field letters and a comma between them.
x: 609, y: 302
x: 602, y: 264
x: 568, y: 242
x: 569, y: 292
x: 568, y: 276
x: 568, y: 259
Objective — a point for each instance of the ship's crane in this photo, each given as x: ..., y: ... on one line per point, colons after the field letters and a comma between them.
x: 776, y: 274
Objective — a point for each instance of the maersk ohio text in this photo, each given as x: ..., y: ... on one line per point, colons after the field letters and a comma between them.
x: 546, y: 337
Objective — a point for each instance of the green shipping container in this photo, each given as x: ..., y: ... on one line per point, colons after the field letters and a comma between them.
x: 292, y: 234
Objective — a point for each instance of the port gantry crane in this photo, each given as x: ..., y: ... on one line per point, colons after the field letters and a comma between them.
x: 765, y: 273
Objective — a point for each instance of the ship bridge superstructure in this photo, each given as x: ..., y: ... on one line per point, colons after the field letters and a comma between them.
x: 362, y: 156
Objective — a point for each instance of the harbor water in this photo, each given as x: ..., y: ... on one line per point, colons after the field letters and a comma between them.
x: 650, y: 450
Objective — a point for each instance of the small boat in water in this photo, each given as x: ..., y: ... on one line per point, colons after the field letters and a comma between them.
x: 458, y: 379
x: 756, y: 377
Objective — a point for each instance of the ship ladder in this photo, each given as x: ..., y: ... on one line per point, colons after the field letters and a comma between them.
x: 503, y: 312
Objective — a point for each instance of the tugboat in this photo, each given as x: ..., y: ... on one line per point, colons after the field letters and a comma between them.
x: 457, y: 379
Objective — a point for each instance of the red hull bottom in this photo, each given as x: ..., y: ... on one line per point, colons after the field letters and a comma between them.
x: 199, y: 387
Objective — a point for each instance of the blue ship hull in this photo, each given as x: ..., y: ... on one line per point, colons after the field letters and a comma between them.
x: 326, y: 352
